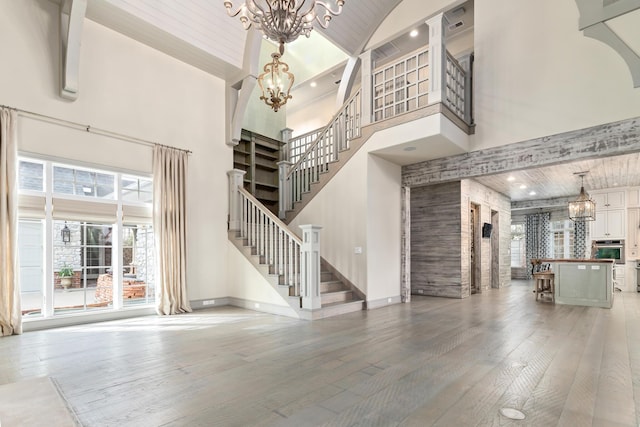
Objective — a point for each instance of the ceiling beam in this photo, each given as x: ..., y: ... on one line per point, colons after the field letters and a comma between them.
x: 72, y: 14
x: 541, y: 203
x: 611, y: 139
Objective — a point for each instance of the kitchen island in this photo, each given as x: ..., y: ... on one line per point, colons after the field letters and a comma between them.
x: 587, y: 282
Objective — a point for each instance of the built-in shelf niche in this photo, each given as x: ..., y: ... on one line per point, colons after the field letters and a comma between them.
x: 258, y: 155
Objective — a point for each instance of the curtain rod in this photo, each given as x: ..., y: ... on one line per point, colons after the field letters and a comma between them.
x: 89, y: 128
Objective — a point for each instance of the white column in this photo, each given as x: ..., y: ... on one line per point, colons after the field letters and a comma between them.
x: 366, y: 96
x: 437, y: 58
x: 284, y: 188
x: 310, y: 267
x: 236, y: 177
x: 466, y: 64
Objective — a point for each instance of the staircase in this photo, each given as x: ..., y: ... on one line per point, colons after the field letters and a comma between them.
x: 337, y: 296
x: 276, y: 253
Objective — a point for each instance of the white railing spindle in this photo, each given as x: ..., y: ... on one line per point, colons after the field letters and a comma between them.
x: 272, y: 240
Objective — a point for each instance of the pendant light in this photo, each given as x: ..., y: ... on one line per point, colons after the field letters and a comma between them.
x: 583, y: 208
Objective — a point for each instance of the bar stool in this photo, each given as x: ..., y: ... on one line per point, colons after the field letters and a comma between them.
x: 544, y: 284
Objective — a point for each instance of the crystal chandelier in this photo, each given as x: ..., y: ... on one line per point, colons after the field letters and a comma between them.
x: 583, y: 208
x: 284, y: 20
x: 276, y: 81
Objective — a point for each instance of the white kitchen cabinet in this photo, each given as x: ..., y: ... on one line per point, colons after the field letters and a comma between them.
x: 633, y: 233
x: 609, y: 224
x: 609, y: 200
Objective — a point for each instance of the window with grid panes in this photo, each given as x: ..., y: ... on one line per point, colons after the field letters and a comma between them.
x: 401, y: 87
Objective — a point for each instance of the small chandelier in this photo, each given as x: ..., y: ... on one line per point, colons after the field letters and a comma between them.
x: 276, y: 81
x: 284, y: 20
x: 583, y: 208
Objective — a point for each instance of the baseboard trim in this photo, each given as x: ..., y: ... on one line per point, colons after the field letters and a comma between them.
x: 263, y: 307
x: 201, y: 304
x: 383, y: 302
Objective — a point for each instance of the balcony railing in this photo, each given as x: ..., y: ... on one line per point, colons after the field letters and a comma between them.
x: 401, y: 86
x: 455, y: 87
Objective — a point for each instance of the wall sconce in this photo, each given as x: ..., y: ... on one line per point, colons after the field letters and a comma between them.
x: 66, y: 233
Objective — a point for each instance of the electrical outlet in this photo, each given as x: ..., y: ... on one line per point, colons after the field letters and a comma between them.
x: 209, y: 302
x: 388, y: 299
x: 358, y: 249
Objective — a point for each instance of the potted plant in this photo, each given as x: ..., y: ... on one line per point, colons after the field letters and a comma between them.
x: 65, y: 274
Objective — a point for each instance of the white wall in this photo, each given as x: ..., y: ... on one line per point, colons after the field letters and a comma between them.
x: 129, y: 88
x: 384, y: 226
x: 544, y: 77
x: 313, y: 115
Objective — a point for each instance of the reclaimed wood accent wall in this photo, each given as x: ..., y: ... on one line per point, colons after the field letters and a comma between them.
x: 611, y: 139
x: 435, y: 240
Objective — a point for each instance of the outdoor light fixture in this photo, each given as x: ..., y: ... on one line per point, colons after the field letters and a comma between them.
x: 276, y: 81
x: 583, y: 208
x: 66, y: 233
x: 284, y: 20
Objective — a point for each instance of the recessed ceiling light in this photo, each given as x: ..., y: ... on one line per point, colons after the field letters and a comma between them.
x: 511, y: 178
x: 410, y: 148
x: 532, y: 193
x: 413, y: 33
x: 522, y: 186
x: 313, y: 84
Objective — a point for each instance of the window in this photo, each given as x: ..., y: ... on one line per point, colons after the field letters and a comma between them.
x: 136, y: 189
x: 518, y: 249
x: 562, y: 239
x: 94, y: 249
x: 82, y: 182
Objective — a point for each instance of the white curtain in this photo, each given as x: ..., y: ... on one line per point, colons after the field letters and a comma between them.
x: 169, y: 223
x: 10, y: 314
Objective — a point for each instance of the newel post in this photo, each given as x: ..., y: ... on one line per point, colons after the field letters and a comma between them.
x: 285, y: 150
x: 310, y: 267
x: 236, y: 177
x: 284, y: 196
x: 437, y: 58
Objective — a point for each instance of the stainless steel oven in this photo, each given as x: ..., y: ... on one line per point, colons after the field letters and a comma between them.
x: 611, y: 249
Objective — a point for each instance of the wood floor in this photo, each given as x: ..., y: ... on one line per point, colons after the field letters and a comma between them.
x: 433, y: 362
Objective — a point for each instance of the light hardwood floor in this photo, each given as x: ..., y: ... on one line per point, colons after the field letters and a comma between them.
x: 435, y: 361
